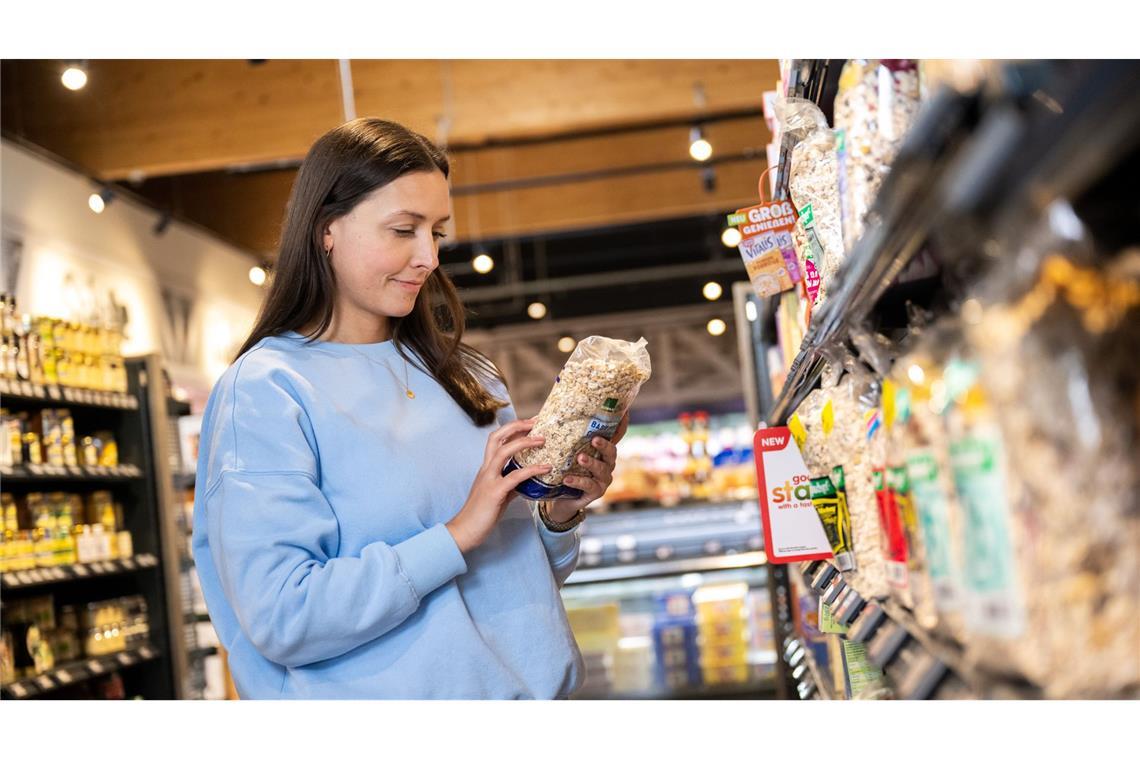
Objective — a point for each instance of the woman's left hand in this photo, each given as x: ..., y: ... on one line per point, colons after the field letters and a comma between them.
x: 600, y: 475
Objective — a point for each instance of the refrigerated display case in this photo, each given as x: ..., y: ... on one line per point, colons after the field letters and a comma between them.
x: 673, y: 603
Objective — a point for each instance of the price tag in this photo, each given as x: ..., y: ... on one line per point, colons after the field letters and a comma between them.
x: 96, y: 667
x: 12, y: 579
x: 64, y: 677
x: 129, y: 564
x: 67, y: 395
x: 19, y: 691
x: 53, y: 392
x: 38, y: 390
x: 106, y: 567
x: 25, y: 388
x: 148, y: 652
x: 125, y: 658
x: 4, y: 386
x: 22, y: 577
x: 45, y: 682
x: 36, y: 469
x: 80, y: 571
x: 36, y: 576
x: 57, y: 573
x: 5, y: 470
x: 74, y: 470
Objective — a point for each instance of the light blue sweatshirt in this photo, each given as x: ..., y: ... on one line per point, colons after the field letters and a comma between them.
x: 320, y: 541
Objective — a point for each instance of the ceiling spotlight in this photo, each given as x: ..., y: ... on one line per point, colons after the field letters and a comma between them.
x: 731, y: 237
x: 98, y: 201
x: 74, y: 77
x: 750, y: 310
x: 257, y: 276
x: 536, y: 310
x: 916, y: 374
x: 699, y: 148
x: 716, y: 327
x: 566, y: 344
x: 712, y: 290
x: 483, y: 263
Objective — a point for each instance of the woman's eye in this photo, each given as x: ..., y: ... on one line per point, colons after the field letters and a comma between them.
x: 404, y: 233
x: 438, y: 235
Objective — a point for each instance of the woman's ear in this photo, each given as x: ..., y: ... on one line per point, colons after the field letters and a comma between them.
x: 327, y: 239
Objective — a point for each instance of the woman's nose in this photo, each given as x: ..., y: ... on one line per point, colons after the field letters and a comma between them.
x: 427, y: 252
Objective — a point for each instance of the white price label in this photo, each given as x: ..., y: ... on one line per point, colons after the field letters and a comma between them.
x: 38, y: 391
x: 26, y: 388
x: 12, y: 579
x: 67, y: 394
x: 36, y: 576
x: 125, y: 659
x: 18, y: 690
x: 64, y: 677
x: 95, y: 667
x: 129, y: 564
x: 45, y: 682
x: 36, y: 469
x: 80, y: 571
x: 53, y: 392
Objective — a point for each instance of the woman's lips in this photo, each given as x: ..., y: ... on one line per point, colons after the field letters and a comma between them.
x: 408, y: 285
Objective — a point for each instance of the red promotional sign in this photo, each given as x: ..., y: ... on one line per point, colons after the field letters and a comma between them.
x: 792, y: 529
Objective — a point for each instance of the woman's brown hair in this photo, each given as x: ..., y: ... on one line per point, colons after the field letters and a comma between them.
x: 341, y: 168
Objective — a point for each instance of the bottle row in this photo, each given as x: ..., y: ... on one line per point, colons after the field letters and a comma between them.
x: 57, y: 529
x: 35, y: 637
x: 51, y: 351
x: 48, y: 436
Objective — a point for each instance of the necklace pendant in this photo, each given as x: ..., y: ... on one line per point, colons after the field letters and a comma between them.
x: 411, y: 394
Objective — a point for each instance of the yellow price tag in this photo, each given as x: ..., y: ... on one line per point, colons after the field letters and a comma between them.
x: 888, y: 403
x: 827, y: 417
x: 796, y: 426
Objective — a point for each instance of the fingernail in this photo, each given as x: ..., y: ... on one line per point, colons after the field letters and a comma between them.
x: 597, y: 443
x: 582, y: 458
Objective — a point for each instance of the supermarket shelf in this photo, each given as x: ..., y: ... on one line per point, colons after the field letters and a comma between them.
x: 77, y: 672
x: 37, y: 474
x: 972, y: 162
x: 45, y: 576
x: 669, y: 567
x: 20, y: 390
x: 806, y: 671
x: 914, y: 661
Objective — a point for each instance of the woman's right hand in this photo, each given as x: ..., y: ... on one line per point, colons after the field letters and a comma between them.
x: 492, y: 490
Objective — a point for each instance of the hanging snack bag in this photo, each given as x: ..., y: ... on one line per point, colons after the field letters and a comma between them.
x: 593, y: 391
x: 877, y: 102
x: 766, y: 246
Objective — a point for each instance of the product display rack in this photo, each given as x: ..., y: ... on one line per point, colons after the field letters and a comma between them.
x: 971, y: 165
x: 148, y: 670
x: 971, y: 162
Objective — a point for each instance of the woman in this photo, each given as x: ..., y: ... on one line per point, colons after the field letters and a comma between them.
x: 354, y: 535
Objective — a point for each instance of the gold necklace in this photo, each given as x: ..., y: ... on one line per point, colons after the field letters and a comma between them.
x: 407, y: 382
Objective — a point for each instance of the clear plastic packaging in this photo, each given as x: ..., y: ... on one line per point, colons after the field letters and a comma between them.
x: 875, y: 106
x: 593, y: 391
x: 813, y: 179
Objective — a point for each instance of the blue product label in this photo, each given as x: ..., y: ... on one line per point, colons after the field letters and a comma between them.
x: 535, y: 489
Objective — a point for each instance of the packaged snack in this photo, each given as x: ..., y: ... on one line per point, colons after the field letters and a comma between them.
x: 593, y: 391
x: 813, y: 179
x: 1054, y: 347
x: 875, y: 106
x: 766, y: 246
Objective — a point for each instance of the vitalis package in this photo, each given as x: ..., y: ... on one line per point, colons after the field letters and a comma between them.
x: 766, y: 247
x: 590, y: 395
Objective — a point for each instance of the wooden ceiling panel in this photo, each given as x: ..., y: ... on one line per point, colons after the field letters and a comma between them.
x: 173, y: 116
x: 162, y: 117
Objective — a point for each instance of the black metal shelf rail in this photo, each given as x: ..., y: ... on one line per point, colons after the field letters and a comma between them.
x: 72, y: 673
x: 915, y: 661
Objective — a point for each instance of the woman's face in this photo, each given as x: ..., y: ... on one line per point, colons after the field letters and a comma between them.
x: 385, y: 248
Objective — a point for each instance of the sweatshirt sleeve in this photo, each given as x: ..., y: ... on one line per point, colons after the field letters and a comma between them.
x: 561, y: 549
x: 274, y: 539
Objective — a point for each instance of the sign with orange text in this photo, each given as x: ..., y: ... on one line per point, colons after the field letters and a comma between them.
x: 792, y: 529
